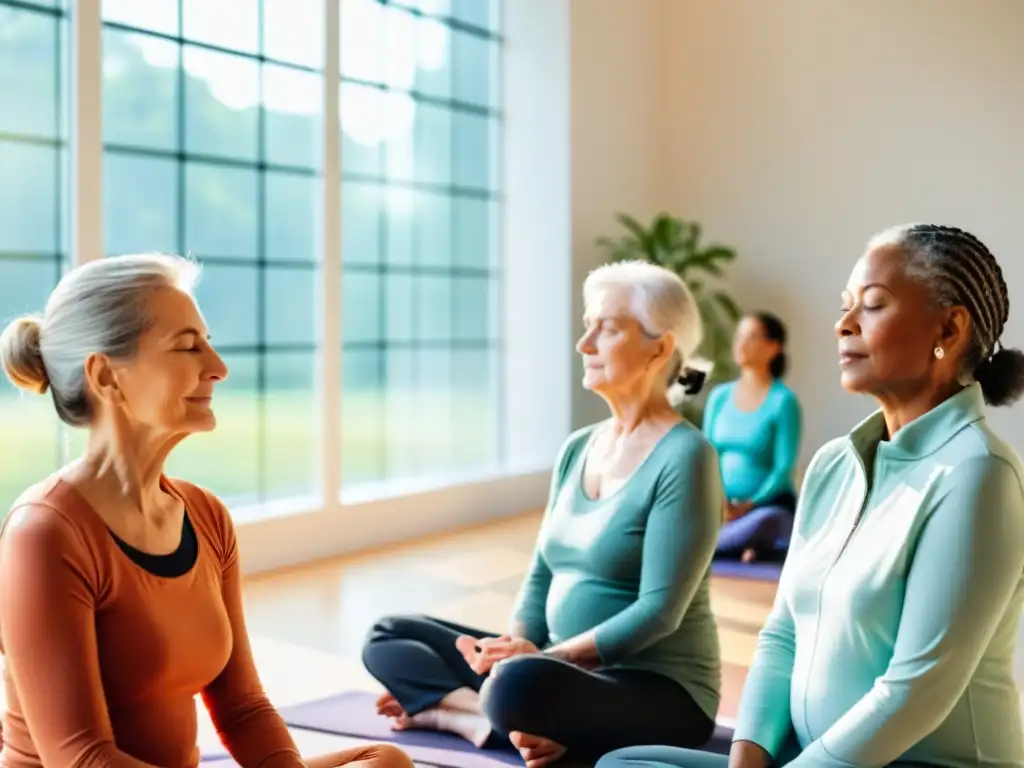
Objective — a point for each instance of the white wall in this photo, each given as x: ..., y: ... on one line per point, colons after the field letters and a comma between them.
x: 799, y: 127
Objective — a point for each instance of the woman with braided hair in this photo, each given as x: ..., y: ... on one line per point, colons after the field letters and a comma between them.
x: 892, y: 636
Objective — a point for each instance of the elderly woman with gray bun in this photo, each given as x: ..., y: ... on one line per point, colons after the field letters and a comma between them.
x: 120, y: 588
x: 612, y: 641
x: 892, y: 637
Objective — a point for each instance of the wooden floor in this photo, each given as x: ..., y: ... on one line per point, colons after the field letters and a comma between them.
x: 308, y: 623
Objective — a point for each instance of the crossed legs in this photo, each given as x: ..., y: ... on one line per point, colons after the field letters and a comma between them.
x: 587, y: 712
x: 757, y: 532
x: 428, y: 682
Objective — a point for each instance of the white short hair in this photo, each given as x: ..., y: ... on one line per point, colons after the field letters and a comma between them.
x: 99, y: 307
x: 659, y: 300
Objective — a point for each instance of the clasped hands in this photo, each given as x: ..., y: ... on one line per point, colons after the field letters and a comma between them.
x: 481, y: 655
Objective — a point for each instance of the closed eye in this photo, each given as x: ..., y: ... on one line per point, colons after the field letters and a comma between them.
x: 196, y: 346
x: 876, y: 308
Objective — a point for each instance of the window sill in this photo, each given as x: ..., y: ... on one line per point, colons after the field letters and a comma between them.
x: 247, y: 513
x: 396, y: 488
x: 291, y: 532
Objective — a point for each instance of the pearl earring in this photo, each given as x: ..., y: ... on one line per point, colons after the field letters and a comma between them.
x: 939, y: 353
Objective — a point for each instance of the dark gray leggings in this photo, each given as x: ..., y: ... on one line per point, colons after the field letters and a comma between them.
x: 589, y: 713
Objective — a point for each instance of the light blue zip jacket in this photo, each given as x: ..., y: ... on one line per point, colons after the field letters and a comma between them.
x: 893, y: 632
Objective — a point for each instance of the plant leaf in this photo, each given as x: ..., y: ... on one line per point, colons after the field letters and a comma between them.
x: 699, y: 262
x: 726, y: 302
x: 692, y: 236
x: 635, y: 227
x: 719, y: 253
x: 666, y: 232
x: 618, y: 249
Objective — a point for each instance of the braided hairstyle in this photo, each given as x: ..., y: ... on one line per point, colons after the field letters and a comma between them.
x: 961, y: 271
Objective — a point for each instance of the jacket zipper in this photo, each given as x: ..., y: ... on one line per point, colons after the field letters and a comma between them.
x: 849, y: 536
x: 860, y: 513
x: 832, y: 565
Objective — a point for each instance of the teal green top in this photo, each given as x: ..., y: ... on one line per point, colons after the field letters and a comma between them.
x: 633, y: 566
x: 757, y: 449
x: 900, y: 643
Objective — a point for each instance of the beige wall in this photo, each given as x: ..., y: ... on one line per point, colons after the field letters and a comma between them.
x: 619, y: 81
x: 799, y: 127
x: 793, y: 129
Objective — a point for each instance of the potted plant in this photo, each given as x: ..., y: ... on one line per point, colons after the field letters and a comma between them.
x: 674, y: 243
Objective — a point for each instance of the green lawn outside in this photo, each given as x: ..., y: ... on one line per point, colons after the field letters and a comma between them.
x: 393, y: 435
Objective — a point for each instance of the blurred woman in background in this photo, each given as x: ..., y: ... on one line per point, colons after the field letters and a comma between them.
x: 755, y: 424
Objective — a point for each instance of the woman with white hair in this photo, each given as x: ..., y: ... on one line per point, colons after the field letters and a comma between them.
x: 612, y: 641
x: 120, y: 588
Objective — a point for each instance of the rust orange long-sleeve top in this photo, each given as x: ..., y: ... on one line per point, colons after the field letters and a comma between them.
x: 104, y: 658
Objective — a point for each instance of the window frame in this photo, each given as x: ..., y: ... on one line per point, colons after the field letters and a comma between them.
x: 535, y: 356
x: 89, y: 150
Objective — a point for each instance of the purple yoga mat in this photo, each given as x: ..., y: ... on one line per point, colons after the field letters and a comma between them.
x: 755, y: 571
x: 355, y: 714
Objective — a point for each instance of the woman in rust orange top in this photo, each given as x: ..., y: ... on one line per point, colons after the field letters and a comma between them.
x: 120, y: 589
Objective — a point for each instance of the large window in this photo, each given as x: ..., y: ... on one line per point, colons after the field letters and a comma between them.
x: 33, y: 211
x: 420, y: 114
x: 212, y: 135
x: 213, y: 145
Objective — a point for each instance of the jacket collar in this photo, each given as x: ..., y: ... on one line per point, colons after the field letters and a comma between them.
x: 926, y: 434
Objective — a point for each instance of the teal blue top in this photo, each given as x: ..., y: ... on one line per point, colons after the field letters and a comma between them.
x: 633, y: 566
x: 757, y: 449
x: 894, y: 638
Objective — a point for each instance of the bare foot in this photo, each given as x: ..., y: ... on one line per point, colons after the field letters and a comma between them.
x: 426, y: 721
x: 749, y: 555
x: 475, y: 729
x: 388, y: 706
x: 462, y: 700
x: 467, y: 646
x: 536, y: 751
